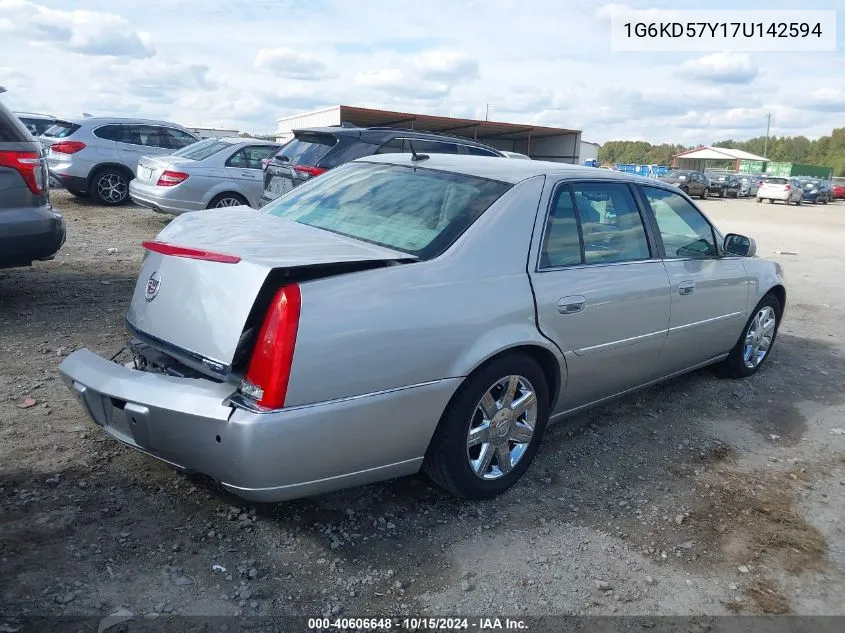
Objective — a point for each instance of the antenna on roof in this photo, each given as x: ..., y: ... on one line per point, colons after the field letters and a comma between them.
x: 414, y: 156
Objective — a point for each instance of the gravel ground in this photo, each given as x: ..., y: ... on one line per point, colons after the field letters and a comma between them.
x: 699, y: 496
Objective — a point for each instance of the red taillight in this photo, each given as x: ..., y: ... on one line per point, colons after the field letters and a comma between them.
x: 29, y: 165
x: 170, y: 178
x: 67, y: 147
x: 265, y: 162
x: 311, y: 171
x: 786, y: 187
x: 269, y: 368
x: 191, y: 253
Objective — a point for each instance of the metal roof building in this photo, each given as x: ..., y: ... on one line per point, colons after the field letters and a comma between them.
x: 537, y: 141
x: 698, y: 158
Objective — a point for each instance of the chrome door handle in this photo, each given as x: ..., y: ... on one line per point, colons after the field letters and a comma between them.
x: 571, y: 305
x: 686, y: 288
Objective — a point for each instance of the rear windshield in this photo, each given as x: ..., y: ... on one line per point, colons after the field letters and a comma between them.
x: 677, y: 174
x: 306, y: 149
x: 417, y: 211
x: 201, y: 149
x: 776, y: 181
x: 61, y: 129
x: 36, y: 127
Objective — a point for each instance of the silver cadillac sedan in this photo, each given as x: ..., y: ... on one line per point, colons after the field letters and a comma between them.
x: 215, y: 172
x: 416, y: 312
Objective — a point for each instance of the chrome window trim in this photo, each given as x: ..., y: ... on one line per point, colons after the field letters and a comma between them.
x: 598, y: 265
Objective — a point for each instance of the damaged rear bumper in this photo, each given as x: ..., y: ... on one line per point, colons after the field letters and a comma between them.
x: 192, y: 425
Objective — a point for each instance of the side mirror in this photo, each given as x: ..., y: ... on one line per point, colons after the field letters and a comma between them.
x: 736, y: 244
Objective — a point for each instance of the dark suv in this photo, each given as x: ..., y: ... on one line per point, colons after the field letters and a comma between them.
x: 692, y: 183
x: 314, y: 151
x: 29, y: 229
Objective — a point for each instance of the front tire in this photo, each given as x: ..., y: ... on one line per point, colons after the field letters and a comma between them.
x: 704, y: 195
x: 491, y: 429
x: 110, y: 186
x: 756, y: 341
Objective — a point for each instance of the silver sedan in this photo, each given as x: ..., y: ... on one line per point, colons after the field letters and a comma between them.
x: 432, y: 312
x: 218, y: 172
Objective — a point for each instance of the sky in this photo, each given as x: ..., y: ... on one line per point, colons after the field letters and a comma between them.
x: 244, y: 63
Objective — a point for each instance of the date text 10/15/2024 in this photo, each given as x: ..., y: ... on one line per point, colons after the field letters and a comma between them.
x: 416, y: 624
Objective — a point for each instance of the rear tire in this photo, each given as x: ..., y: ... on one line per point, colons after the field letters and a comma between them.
x: 110, y: 186
x: 704, y: 195
x: 462, y: 469
x: 759, y: 200
x: 744, y: 359
x: 227, y: 199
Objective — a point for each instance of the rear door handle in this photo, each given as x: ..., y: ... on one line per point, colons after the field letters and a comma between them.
x: 686, y: 288
x: 571, y: 305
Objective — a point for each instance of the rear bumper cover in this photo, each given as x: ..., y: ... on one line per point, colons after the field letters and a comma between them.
x: 29, y: 234
x: 293, y: 452
x: 159, y: 199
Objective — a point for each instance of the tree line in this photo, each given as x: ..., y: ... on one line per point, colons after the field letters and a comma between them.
x: 826, y: 150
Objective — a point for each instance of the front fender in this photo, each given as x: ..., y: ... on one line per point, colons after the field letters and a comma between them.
x: 763, y: 276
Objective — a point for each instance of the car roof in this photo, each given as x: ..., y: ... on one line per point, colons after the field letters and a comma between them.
x: 101, y: 120
x: 35, y: 115
x: 503, y: 169
x: 232, y: 140
x: 339, y: 130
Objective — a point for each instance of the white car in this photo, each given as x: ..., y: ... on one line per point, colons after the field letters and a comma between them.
x: 784, y: 189
x: 515, y: 155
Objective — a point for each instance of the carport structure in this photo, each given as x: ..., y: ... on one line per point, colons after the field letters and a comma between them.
x: 697, y: 159
x: 539, y: 142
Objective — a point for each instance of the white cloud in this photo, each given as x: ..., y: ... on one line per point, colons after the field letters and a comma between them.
x: 449, y: 66
x: 728, y: 68
x: 290, y: 64
x: 94, y: 33
x: 244, y: 64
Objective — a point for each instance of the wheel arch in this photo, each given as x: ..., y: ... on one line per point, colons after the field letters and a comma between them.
x: 779, y: 291
x: 228, y: 191
x: 551, y: 362
x: 101, y: 166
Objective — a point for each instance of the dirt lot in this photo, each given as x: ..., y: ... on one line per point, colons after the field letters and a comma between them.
x: 700, y: 496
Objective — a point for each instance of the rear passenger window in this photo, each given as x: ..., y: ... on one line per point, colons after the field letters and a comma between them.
x: 109, y: 132
x: 433, y: 147
x: 611, y: 226
x: 391, y: 147
x: 561, y: 240
x: 479, y: 151
x: 250, y: 157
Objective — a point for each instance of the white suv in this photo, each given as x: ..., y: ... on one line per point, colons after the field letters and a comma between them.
x: 98, y: 156
x: 784, y: 189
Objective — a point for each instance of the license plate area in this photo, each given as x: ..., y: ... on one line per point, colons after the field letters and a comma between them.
x: 279, y: 185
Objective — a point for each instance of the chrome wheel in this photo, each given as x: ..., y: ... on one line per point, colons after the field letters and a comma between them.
x: 228, y: 202
x: 502, y: 427
x: 758, y: 338
x: 112, y: 188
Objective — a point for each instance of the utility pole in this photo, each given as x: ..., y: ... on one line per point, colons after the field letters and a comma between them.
x: 768, y: 126
x: 487, y: 114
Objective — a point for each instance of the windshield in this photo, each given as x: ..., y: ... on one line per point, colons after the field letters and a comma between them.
x: 776, y: 181
x: 61, y: 129
x: 417, y: 211
x: 202, y: 149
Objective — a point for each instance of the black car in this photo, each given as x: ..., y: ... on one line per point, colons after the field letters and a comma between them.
x: 314, y: 151
x: 692, y: 183
x: 725, y: 185
x: 29, y: 228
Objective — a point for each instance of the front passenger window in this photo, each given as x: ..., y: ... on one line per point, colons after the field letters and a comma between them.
x: 684, y: 230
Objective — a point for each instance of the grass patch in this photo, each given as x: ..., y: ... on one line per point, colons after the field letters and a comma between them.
x: 767, y: 599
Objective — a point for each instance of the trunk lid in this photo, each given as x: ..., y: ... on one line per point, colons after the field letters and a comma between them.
x: 197, y: 310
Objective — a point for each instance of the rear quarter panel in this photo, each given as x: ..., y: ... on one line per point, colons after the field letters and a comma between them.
x: 413, y: 323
